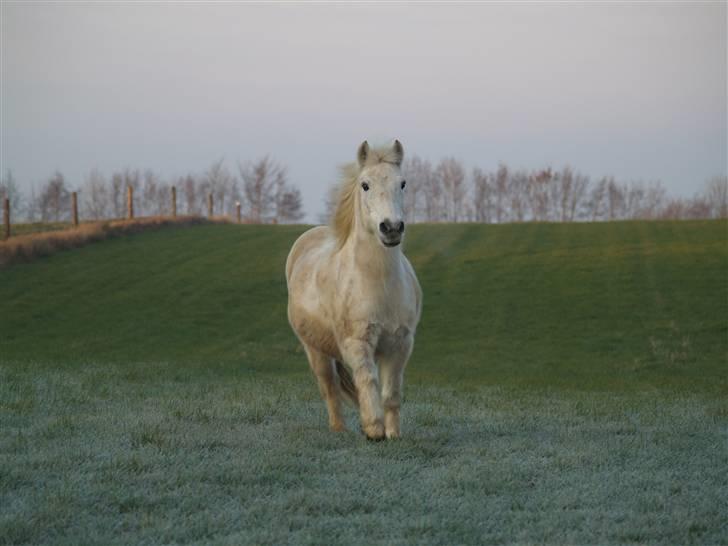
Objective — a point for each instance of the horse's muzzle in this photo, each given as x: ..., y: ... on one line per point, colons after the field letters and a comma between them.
x: 391, y: 242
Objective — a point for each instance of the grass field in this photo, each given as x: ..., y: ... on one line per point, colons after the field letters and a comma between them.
x: 38, y: 227
x: 569, y: 385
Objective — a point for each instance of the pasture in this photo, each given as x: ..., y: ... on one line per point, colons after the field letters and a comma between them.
x: 568, y: 385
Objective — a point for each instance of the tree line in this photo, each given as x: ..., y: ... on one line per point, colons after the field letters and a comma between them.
x: 261, y: 187
x: 441, y: 192
x: 446, y: 192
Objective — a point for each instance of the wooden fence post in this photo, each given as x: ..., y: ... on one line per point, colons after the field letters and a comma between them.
x: 237, y: 210
x: 74, y: 209
x: 6, y: 215
x: 209, y: 205
x: 130, y: 202
x: 174, y: 202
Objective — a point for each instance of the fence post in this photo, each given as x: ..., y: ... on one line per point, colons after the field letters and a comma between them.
x: 130, y: 202
x: 74, y: 209
x: 6, y: 214
x: 174, y: 202
x: 209, y: 205
x: 237, y: 210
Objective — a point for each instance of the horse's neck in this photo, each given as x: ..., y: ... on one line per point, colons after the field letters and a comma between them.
x: 372, y: 257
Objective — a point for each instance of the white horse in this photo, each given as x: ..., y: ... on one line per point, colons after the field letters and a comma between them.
x: 353, y: 297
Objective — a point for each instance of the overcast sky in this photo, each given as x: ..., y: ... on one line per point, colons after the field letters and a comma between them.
x: 636, y: 90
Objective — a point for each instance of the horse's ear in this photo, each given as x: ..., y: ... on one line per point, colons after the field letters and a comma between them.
x: 362, y: 153
x: 398, y: 152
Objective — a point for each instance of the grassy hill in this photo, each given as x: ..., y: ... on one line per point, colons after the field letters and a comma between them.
x: 619, y: 305
x: 568, y: 386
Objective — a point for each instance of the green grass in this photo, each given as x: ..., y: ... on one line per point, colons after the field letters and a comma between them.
x: 38, y: 227
x: 568, y: 385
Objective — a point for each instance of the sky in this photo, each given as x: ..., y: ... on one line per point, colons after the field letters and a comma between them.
x: 631, y: 89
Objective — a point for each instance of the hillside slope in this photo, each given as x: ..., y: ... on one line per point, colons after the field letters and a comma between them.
x: 587, y: 306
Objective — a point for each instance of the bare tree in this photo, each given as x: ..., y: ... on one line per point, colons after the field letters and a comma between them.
x: 148, y: 190
x: 500, y: 186
x: 32, y: 206
x: 117, y: 195
x: 615, y: 200
x: 572, y: 193
x: 424, y: 177
x: 597, y: 200
x: 9, y: 190
x: 450, y: 177
x: 289, y: 205
x: 259, y: 181
x: 643, y: 202
x: 538, y: 193
x: 716, y: 194
x: 518, y: 196
x: 95, y: 193
x: 482, y: 196
x: 416, y: 173
x: 55, y: 200
x: 218, y: 181
x: 188, y: 187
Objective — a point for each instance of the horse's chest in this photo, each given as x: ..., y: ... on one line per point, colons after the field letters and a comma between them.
x: 394, y: 321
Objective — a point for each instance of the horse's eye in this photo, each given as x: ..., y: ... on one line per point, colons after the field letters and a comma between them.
x: 365, y: 186
x: 404, y: 183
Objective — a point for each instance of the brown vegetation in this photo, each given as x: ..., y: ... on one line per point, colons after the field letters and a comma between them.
x: 25, y: 248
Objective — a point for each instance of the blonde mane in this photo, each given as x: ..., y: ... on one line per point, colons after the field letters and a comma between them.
x: 342, y: 221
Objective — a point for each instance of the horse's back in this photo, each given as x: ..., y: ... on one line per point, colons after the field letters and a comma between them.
x: 306, y: 266
x: 312, y: 239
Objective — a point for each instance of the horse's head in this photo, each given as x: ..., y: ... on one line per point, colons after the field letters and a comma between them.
x: 381, y: 192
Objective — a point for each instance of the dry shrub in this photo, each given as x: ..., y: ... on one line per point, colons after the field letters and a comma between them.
x: 25, y: 248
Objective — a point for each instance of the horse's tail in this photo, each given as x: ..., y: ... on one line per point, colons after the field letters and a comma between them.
x: 347, y: 383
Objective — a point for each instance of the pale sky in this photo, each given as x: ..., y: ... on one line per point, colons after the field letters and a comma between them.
x: 635, y: 90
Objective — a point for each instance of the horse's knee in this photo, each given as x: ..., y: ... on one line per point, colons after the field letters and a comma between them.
x: 392, y: 402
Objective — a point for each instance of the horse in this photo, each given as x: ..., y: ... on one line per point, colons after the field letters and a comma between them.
x: 354, y: 300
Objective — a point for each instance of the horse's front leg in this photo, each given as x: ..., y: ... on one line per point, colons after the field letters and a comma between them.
x: 391, y: 371
x: 359, y: 355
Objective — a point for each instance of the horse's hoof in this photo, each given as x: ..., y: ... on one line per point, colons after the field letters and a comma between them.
x: 374, y: 432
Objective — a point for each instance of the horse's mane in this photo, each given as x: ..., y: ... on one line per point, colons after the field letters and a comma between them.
x: 342, y: 221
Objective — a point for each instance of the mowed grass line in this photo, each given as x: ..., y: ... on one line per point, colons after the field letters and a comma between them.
x: 93, y: 456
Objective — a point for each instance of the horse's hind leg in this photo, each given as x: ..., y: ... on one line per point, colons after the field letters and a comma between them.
x: 324, y: 369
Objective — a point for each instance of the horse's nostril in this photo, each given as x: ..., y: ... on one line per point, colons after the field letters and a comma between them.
x: 384, y: 228
x: 400, y: 227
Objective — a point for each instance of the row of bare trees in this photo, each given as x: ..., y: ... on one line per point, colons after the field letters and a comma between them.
x: 443, y: 192
x: 261, y: 187
x: 446, y: 192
